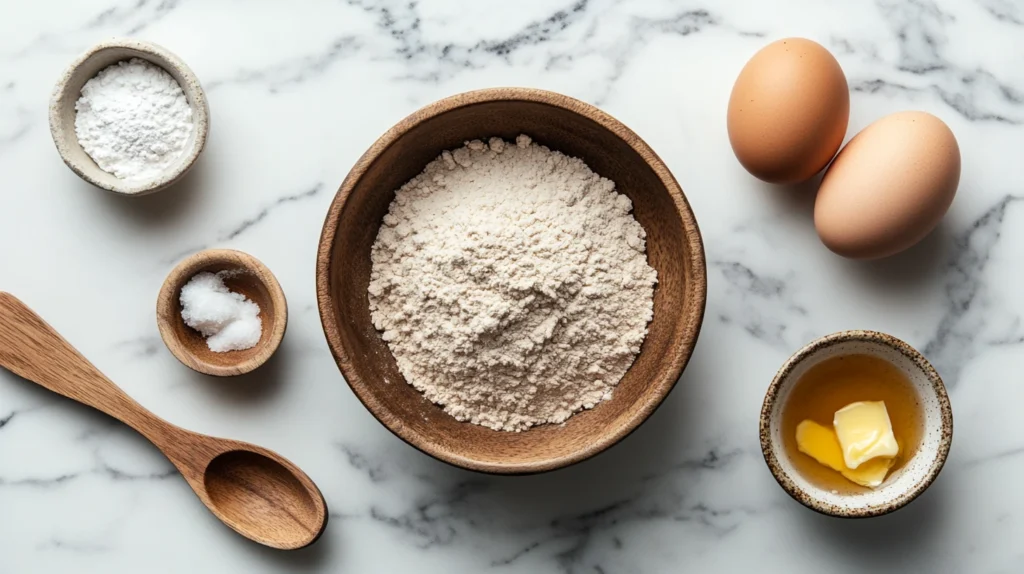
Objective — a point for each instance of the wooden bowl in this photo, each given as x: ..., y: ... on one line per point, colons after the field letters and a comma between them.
x: 251, y: 279
x: 69, y: 88
x: 577, y: 129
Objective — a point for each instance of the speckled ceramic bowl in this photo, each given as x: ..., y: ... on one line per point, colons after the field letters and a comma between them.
x: 69, y: 88
x: 900, y: 487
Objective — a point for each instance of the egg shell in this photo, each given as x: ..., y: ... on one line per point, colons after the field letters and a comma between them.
x: 788, y: 111
x: 889, y: 187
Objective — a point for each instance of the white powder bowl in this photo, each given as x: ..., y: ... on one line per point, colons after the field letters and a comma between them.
x: 69, y: 88
x: 902, y: 486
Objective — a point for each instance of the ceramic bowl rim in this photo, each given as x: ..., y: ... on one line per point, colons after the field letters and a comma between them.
x: 818, y: 345
x: 62, y: 133
x: 694, y: 308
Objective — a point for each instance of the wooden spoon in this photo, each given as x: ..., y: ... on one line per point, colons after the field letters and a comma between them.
x: 256, y: 492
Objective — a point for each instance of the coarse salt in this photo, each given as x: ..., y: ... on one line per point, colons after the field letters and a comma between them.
x: 228, y: 320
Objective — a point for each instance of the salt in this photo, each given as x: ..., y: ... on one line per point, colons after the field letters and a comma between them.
x: 228, y: 320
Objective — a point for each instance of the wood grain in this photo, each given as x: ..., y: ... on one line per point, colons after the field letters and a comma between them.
x: 252, y: 279
x: 674, y: 249
x: 256, y: 492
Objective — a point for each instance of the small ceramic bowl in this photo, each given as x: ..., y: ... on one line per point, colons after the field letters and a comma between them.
x: 904, y: 485
x: 249, y: 277
x: 69, y: 88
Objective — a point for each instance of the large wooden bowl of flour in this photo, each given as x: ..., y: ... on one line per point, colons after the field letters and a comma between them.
x: 674, y: 250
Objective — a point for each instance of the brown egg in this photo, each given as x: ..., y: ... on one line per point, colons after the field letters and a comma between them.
x: 889, y: 187
x: 788, y: 111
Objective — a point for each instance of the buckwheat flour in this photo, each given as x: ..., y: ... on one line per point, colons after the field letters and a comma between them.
x: 511, y: 284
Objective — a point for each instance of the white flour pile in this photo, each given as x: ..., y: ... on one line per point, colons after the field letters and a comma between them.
x: 133, y: 119
x: 511, y: 284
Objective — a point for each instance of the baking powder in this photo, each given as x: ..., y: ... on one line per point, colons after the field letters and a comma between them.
x: 133, y: 119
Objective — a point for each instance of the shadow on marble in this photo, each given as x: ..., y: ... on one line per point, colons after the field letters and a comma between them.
x: 798, y: 197
x: 94, y: 423
x: 90, y: 430
x: 74, y: 414
x: 259, y: 386
x: 617, y: 481
x: 158, y: 209
x: 918, y: 266
x: 911, y: 269
x: 888, y: 540
x: 309, y: 559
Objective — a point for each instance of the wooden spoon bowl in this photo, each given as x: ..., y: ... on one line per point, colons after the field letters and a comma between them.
x: 674, y: 249
x: 255, y: 491
x: 248, y: 276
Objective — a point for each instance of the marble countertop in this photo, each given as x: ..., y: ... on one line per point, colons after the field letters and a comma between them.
x: 298, y: 90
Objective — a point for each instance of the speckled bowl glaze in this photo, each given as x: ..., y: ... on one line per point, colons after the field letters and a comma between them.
x: 69, y: 88
x: 904, y: 485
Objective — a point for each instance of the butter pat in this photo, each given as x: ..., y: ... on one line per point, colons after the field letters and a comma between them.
x: 865, y: 433
x: 820, y: 443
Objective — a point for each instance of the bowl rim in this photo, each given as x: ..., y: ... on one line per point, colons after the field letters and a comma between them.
x: 816, y: 346
x: 156, y: 54
x: 692, y: 313
x: 183, y: 272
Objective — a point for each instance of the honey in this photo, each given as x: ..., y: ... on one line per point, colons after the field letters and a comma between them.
x: 836, y: 382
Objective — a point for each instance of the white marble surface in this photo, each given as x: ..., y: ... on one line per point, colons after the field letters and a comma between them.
x: 299, y: 89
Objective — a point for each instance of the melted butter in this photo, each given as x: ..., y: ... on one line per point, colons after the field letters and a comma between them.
x: 835, y: 383
x: 822, y: 444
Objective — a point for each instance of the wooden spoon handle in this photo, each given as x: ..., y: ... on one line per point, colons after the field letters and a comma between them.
x: 32, y: 349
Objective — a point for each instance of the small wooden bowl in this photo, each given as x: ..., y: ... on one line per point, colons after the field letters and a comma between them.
x: 902, y: 486
x: 69, y: 88
x: 253, y: 280
x: 577, y: 129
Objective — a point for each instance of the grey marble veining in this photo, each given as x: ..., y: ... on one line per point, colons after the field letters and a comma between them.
x: 298, y: 91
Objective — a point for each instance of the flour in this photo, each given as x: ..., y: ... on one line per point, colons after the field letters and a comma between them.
x: 133, y: 119
x: 511, y: 284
